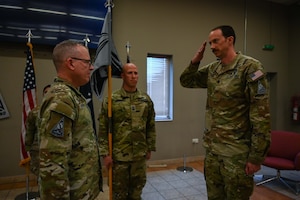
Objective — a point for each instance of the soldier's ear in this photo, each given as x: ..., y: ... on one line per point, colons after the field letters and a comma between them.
x: 230, y: 39
x: 70, y: 64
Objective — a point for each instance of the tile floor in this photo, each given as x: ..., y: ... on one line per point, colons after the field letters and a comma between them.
x: 161, y: 185
x: 170, y: 185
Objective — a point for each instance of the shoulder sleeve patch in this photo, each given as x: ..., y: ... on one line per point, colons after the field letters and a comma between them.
x: 261, y: 88
x: 58, y: 129
x: 255, y: 75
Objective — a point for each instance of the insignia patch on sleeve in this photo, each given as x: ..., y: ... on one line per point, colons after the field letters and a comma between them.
x: 261, y: 89
x: 256, y: 75
x: 58, y: 129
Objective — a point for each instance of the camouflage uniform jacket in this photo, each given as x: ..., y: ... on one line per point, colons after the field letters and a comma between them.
x: 70, y: 165
x: 31, y: 138
x: 237, y: 108
x: 133, y: 126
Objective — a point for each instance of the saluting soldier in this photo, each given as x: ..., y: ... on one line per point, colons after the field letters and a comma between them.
x: 237, y: 128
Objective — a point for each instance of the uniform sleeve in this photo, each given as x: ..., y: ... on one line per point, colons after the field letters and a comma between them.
x: 55, y: 147
x: 31, y: 129
x: 191, y: 77
x: 103, y: 129
x: 258, y: 90
x: 151, y: 132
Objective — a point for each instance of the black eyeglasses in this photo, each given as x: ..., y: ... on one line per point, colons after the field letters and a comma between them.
x: 89, y: 62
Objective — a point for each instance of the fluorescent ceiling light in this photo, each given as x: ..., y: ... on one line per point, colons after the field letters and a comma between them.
x: 51, y: 38
x: 20, y: 28
x: 79, y: 33
x: 86, y: 16
x: 7, y: 34
x: 25, y: 36
x: 47, y: 11
x: 11, y: 7
x: 53, y: 30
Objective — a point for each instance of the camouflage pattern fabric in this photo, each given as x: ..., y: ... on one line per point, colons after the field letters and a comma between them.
x: 237, y: 110
x: 238, y: 185
x: 133, y: 119
x: 237, y: 124
x: 70, y: 165
x: 31, y: 139
x: 133, y: 173
x: 133, y: 133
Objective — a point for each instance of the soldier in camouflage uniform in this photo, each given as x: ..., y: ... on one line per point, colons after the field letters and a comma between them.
x: 31, y: 137
x: 237, y: 129
x: 70, y: 165
x: 133, y: 133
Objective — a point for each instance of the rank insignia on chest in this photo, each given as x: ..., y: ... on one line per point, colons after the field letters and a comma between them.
x: 58, y: 129
x: 133, y: 108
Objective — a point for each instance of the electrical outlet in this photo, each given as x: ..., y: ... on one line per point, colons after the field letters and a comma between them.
x: 195, y: 140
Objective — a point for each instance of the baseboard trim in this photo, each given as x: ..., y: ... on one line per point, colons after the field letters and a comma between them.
x: 20, y: 180
x: 12, y: 182
x: 162, y: 163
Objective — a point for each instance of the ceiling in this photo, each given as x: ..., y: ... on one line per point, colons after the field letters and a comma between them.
x: 51, y: 21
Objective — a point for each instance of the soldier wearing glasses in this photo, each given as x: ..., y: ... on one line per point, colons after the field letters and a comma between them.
x: 70, y: 165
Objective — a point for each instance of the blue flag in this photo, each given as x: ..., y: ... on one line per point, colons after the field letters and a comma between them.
x: 106, y: 55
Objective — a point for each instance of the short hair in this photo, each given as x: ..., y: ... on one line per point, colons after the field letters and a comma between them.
x: 63, y: 50
x: 227, y: 31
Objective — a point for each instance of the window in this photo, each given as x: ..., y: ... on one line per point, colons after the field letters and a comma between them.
x: 160, y: 85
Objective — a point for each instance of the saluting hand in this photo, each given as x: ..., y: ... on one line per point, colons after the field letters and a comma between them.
x: 199, y: 54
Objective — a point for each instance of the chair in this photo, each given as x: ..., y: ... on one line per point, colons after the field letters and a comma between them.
x: 284, y: 154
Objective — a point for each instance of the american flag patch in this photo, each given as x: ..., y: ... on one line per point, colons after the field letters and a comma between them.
x: 256, y: 75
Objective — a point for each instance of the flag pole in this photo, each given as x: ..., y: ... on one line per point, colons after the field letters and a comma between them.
x: 127, y: 46
x: 110, y: 175
x: 86, y: 40
x: 29, y: 35
x: 25, y: 162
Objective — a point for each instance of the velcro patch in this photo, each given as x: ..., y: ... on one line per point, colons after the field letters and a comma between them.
x: 261, y: 89
x: 58, y: 129
x: 256, y: 75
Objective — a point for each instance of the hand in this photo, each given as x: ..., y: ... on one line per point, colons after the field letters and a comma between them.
x: 251, y: 168
x: 148, y: 155
x: 199, y: 54
x: 108, y: 161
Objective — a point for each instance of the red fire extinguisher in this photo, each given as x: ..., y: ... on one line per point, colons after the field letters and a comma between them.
x: 295, y: 108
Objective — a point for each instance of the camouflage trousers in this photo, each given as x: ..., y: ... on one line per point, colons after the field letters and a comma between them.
x: 226, y: 178
x: 129, y: 179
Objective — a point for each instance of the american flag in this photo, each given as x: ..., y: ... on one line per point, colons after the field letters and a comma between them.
x: 29, y: 97
x: 256, y: 75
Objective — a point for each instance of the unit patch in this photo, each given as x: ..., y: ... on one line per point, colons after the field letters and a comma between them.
x: 261, y: 89
x: 58, y: 129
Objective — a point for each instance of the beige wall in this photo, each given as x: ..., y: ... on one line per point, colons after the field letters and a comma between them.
x: 167, y: 27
